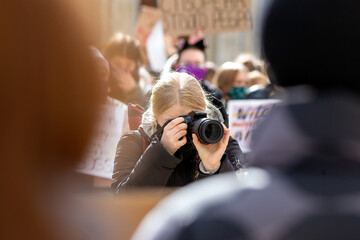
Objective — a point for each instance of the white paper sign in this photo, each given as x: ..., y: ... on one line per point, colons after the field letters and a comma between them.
x: 99, y: 160
x: 244, y: 116
x: 155, y: 48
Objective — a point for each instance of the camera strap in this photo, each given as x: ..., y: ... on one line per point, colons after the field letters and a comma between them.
x: 196, y: 173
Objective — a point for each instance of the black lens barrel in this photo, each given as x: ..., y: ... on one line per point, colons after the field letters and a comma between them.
x: 207, y: 130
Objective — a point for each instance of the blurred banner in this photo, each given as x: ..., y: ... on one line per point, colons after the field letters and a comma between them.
x: 99, y: 160
x: 182, y: 17
x: 244, y: 117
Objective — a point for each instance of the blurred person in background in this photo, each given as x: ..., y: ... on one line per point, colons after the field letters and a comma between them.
x: 49, y: 98
x: 102, y: 70
x: 191, y: 58
x: 160, y: 153
x: 308, y: 148
x: 211, y: 70
x: 257, y: 78
x: 257, y: 84
x: 125, y: 58
x: 263, y: 87
x: 232, y: 79
x: 251, y: 62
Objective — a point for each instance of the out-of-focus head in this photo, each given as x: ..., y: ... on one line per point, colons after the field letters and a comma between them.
x: 176, y: 94
x: 303, y: 39
x: 191, y: 49
x: 191, y: 55
x: 250, y: 61
x: 123, y: 53
x: 49, y: 86
x: 49, y: 98
x: 231, y: 75
x: 192, y: 61
x: 256, y: 77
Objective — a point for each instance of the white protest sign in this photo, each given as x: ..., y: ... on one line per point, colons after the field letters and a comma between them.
x: 148, y: 18
x: 182, y: 17
x: 99, y: 160
x: 244, y: 116
x: 155, y: 48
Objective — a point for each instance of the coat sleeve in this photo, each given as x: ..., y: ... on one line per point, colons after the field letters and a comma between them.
x: 132, y: 168
x: 236, y: 157
x: 225, y: 166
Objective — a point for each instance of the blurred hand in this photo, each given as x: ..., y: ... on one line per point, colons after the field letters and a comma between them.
x: 125, y: 80
x: 174, y: 135
x: 211, y: 154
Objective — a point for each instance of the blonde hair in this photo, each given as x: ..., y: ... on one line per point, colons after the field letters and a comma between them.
x: 177, y: 88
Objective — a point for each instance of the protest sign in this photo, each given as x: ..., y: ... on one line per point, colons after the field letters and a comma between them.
x: 148, y: 17
x: 183, y: 17
x: 99, y: 159
x: 155, y: 48
x: 244, y: 116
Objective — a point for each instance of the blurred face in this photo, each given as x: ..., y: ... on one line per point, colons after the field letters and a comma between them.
x: 123, y: 63
x: 174, y: 112
x: 241, y: 79
x: 192, y: 56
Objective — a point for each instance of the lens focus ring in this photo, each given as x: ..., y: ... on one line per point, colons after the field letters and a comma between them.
x: 208, y: 130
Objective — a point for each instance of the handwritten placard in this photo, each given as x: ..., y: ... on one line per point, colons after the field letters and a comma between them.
x: 244, y: 116
x: 182, y: 17
x: 99, y: 159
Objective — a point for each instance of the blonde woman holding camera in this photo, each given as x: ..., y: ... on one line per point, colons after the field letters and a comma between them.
x: 183, y: 137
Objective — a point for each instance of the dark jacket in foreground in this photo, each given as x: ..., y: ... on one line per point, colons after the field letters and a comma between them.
x: 156, y: 167
x: 311, y: 189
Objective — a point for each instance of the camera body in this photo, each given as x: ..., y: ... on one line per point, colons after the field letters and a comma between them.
x: 207, y: 130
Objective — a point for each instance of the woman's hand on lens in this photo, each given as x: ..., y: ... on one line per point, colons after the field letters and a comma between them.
x: 211, y: 154
x: 173, y: 136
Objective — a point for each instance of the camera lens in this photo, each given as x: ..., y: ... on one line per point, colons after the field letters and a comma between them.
x: 212, y: 131
x: 208, y: 130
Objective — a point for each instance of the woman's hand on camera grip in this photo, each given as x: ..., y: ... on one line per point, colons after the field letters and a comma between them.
x: 211, y: 154
x: 173, y: 136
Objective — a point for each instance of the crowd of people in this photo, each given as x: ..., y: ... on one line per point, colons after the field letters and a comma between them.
x: 130, y: 80
x: 305, y: 154
x: 185, y: 85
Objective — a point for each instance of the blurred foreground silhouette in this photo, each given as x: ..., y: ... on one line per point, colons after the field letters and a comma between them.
x: 49, y: 99
x: 307, y: 185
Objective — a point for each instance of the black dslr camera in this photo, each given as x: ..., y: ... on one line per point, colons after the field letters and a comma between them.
x: 207, y: 130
